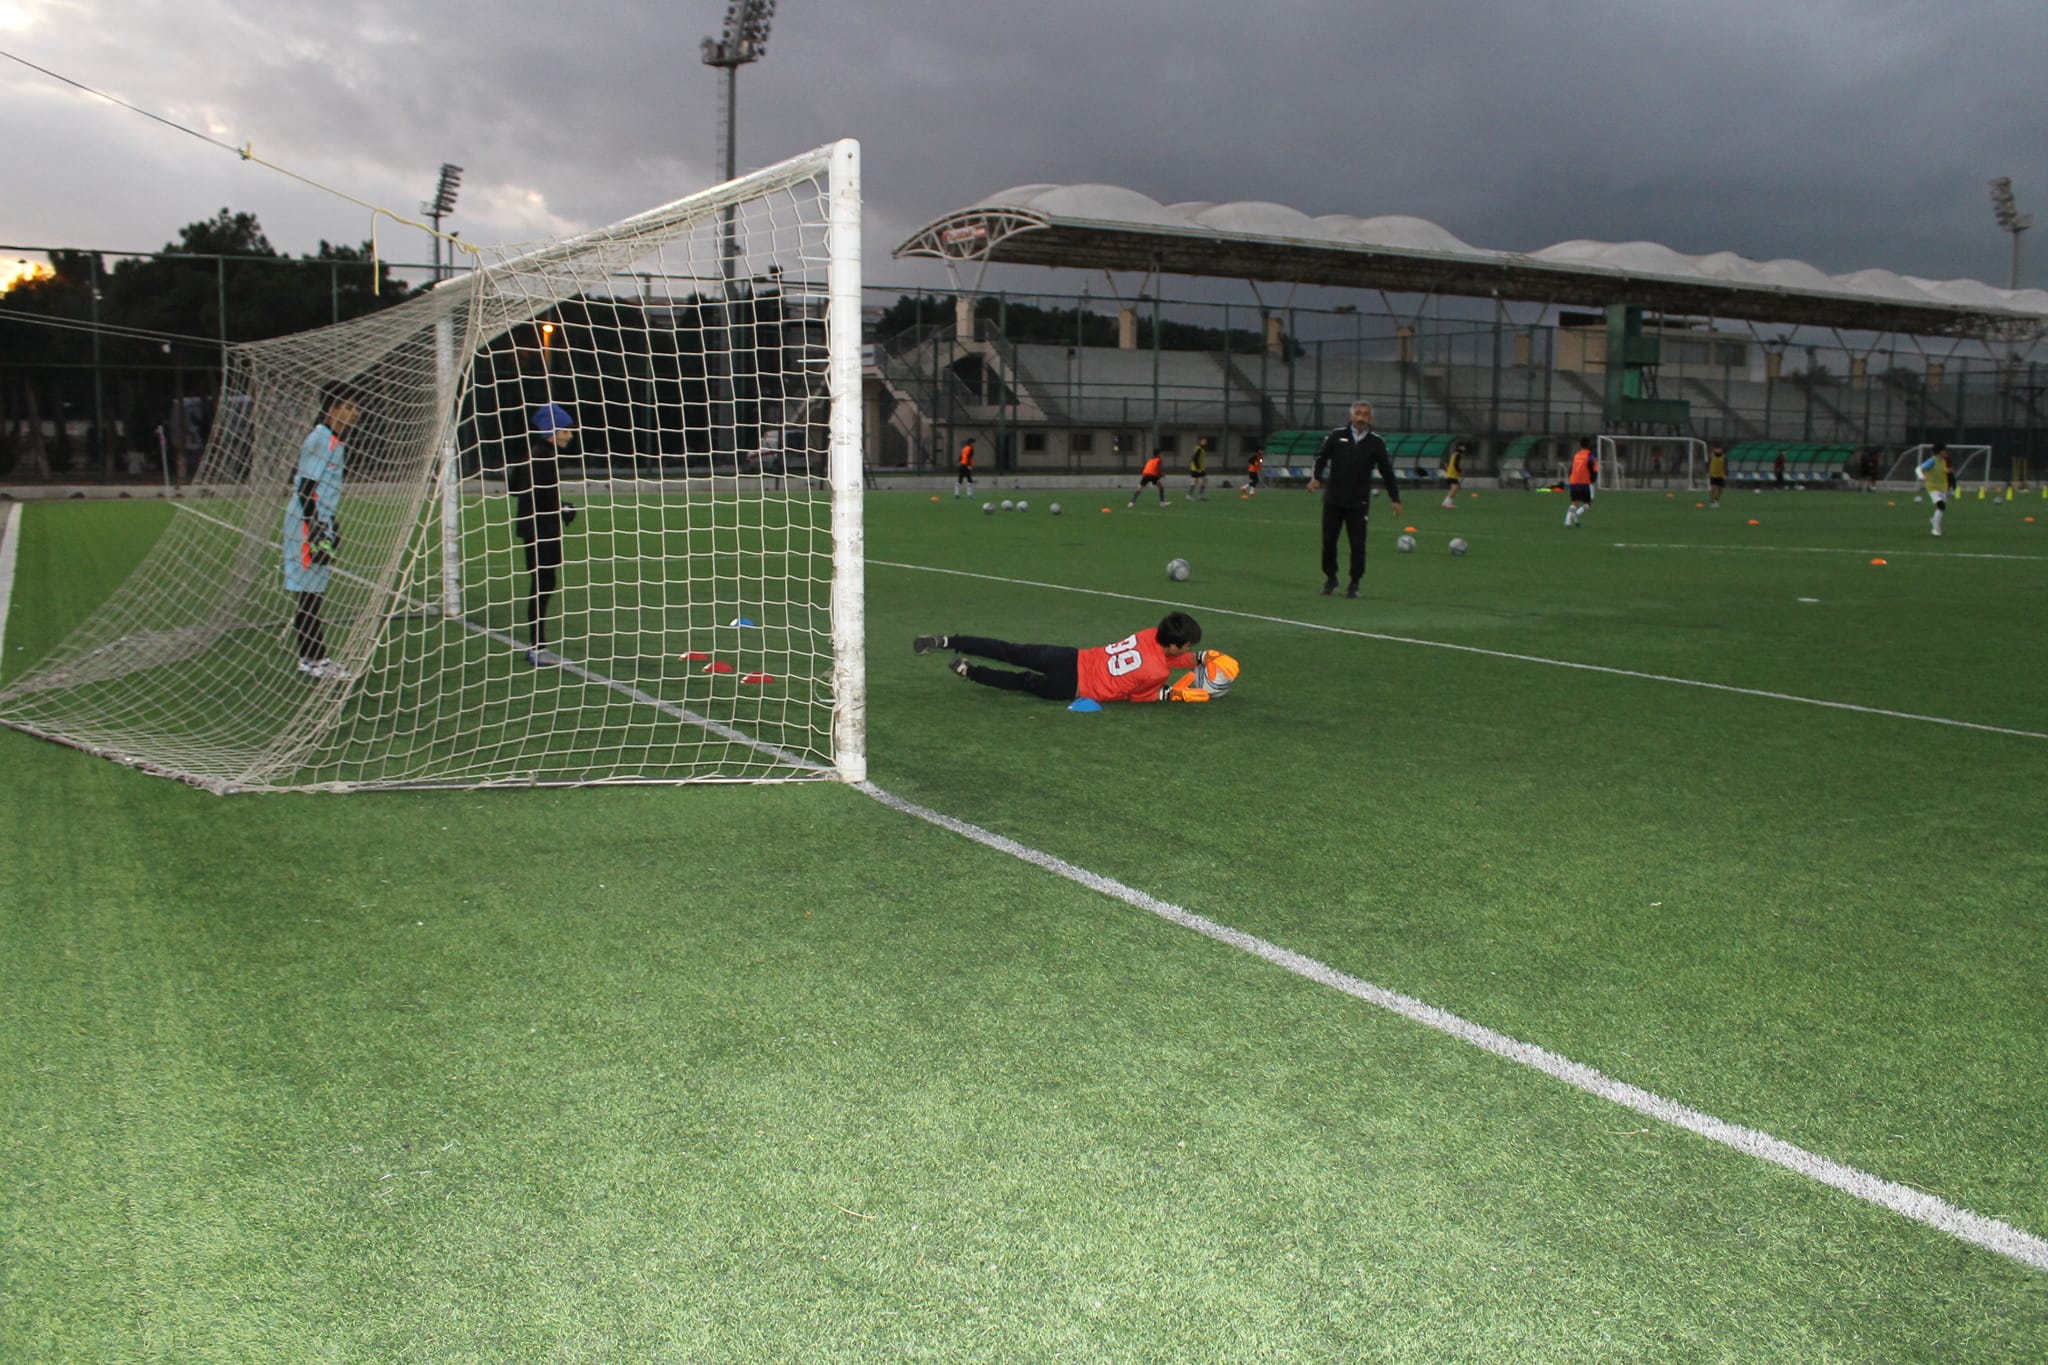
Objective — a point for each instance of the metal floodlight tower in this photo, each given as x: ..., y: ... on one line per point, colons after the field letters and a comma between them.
x: 439, y: 207
x: 2011, y: 220
x: 744, y: 40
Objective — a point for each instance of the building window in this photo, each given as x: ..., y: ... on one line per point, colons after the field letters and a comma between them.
x: 1081, y: 442
x: 1034, y: 442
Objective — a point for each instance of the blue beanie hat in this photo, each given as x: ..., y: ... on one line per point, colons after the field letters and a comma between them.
x: 550, y: 418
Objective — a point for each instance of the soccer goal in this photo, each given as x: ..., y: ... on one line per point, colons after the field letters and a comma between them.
x: 1652, y: 461
x: 523, y: 529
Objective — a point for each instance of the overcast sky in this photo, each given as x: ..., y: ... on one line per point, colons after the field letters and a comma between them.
x: 1848, y: 133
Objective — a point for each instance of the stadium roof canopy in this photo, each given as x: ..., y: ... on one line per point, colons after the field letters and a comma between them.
x: 1111, y: 228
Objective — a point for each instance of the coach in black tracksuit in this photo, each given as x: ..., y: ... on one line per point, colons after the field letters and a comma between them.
x: 1343, y: 471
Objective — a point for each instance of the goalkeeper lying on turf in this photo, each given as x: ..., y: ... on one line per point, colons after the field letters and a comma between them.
x: 1136, y: 668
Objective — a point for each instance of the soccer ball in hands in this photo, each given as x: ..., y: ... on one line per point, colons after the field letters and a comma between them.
x: 1215, y: 671
x: 1458, y: 545
x: 1406, y: 545
x: 1178, y: 570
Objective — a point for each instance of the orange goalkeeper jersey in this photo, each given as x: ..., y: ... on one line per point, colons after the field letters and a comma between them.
x: 1134, y: 668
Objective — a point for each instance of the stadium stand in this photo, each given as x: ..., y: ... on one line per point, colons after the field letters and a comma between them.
x: 1807, y: 464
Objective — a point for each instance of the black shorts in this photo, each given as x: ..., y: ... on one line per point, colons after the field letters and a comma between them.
x: 1144, y: 479
x: 1717, y: 483
x: 1581, y: 492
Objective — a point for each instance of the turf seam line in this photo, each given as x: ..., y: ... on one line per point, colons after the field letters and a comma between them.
x: 1917, y: 1205
x: 10, y: 537
x: 1488, y: 653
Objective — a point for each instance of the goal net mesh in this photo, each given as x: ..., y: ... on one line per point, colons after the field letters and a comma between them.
x: 684, y: 386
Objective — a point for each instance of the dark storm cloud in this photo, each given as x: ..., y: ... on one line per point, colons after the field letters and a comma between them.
x: 1851, y: 133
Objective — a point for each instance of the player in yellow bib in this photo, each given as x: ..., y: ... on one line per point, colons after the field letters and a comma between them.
x: 1934, y: 472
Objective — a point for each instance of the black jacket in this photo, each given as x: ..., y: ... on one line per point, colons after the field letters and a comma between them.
x: 1344, y: 467
x: 533, y: 478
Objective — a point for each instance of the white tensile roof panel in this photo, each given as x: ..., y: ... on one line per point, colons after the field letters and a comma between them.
x: 1114, y: 228
x: 1399, y: 230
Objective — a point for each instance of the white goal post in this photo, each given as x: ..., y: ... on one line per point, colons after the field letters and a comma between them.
x: 521, y: 529
x: 1651, y: 461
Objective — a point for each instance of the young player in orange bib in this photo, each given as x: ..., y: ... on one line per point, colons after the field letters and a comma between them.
x: 1584, y: 474
x: 1150, y: 475
x: 964, y: 482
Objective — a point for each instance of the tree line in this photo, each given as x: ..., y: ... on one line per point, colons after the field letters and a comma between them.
x: 96, y: 356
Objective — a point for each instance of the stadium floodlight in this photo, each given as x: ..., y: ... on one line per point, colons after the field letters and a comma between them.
x: 2011, y: 220
x: 745, y: 39
x: 746, y: 34
x: 439, y: 207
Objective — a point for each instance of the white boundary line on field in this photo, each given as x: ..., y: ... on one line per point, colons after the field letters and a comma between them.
x: 1917, y: 1205
x: 1488, y: 653
x: 10, y: 537
x: 1825, y: 550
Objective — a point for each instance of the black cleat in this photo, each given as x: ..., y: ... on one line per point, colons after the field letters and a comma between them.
x: 925, y: 644
x: 1351, y: 591
x: 960, y: 667
x: 1329, y: 587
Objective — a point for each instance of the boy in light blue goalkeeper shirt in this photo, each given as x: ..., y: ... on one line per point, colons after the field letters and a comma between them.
x: 312, y: 528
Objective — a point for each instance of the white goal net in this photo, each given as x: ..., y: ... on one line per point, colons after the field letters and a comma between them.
x: 588, y: 513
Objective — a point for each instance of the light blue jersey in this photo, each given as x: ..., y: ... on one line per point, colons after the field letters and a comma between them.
x: 320, y: 462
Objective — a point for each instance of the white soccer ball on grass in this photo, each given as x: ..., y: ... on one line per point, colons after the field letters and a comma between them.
x: 1178, y: 570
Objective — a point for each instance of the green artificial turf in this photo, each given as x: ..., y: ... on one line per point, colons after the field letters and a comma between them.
x: 779, y: 1073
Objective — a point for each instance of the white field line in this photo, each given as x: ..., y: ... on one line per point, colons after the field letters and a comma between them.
x: 1827, y: 550
x: 1917, y: 1205
x: 10, y: 537
x: 1475, y: 649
